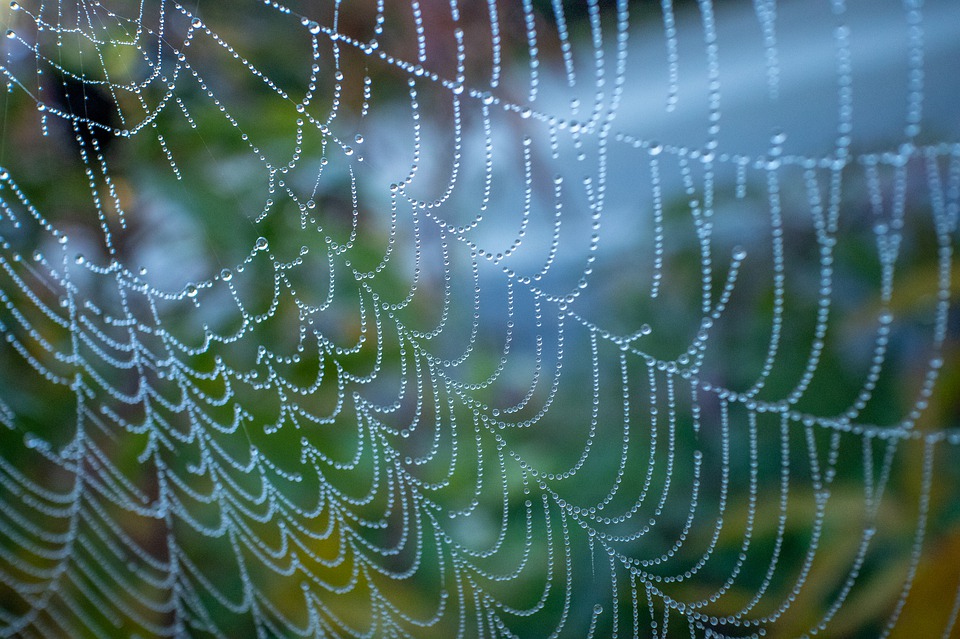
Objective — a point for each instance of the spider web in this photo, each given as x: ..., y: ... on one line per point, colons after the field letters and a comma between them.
x: 489, y: 319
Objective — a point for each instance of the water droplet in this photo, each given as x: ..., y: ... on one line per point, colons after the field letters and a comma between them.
x: 196, y: 23
x: 11, y: 34
x: 314, y: 28
x: 597, y: 609
x: 359, y: 138
x: 191, y: 290
x: 226, y: 275
x: 262, y: 244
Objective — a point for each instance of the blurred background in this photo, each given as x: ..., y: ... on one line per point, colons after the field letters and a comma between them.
x: 414, y: 319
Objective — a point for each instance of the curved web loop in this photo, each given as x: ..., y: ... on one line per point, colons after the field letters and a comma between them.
x: 491, y: 319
